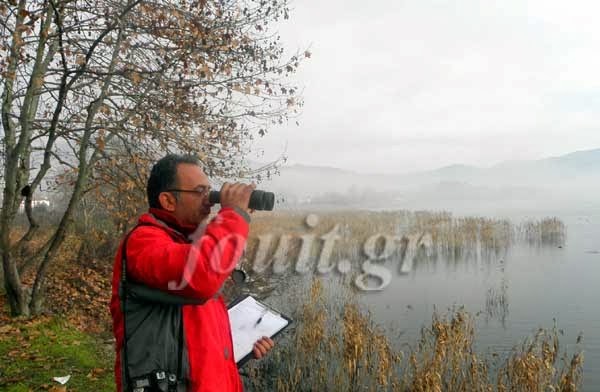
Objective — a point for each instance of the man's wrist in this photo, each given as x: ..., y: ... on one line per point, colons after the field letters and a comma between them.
x: 244, y: 214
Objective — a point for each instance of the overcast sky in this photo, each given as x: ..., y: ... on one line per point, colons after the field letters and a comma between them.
x: 395, y: 86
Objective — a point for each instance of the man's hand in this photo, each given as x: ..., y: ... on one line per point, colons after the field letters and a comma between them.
x: 262, y: 347
x: 236, y: 195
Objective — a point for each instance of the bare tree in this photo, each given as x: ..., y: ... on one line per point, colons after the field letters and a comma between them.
x: 91, y: 85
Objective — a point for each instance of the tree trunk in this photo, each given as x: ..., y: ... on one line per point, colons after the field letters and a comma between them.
x: 15, y: 292
x: 18, y: 295
x: 38, y: 290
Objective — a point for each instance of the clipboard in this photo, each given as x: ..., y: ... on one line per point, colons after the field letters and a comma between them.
x: 244, y: 315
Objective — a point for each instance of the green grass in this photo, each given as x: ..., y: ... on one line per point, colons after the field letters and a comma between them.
x: 33, y: 352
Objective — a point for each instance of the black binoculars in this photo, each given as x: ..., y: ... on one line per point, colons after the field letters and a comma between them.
x: 259, y: 200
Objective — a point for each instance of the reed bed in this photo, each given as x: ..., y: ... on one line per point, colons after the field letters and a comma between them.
x: 412, y: 237
x: 547, y: 231
x: 336, y: 346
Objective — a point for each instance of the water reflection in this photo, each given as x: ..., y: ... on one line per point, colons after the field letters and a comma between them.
x: 496, y: 301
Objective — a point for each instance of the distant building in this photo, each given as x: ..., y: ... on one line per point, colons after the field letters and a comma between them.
x: 35, y: 203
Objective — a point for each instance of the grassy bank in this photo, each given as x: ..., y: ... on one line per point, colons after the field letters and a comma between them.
x: 32, y: 352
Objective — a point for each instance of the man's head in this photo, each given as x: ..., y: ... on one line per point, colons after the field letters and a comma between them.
x: 178, y: 185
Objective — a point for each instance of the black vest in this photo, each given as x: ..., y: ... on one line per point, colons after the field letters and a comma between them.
x: 154, y: 356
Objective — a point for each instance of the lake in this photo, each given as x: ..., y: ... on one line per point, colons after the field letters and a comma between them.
x: 526, y: 288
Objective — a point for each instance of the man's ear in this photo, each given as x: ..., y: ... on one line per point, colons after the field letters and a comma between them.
x: 167, y: 201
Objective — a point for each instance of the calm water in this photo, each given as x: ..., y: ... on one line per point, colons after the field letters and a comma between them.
x: 539, y: 285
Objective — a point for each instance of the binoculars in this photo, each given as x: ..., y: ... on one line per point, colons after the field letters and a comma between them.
x: 259, y: 200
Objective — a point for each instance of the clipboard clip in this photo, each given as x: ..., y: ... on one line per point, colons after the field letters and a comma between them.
x: 265, y: 310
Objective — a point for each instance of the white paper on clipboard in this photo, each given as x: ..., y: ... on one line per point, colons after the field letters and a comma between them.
x: 245, y: 331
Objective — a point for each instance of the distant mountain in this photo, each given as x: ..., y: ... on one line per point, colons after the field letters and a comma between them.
x: 582, y: 161
x: 573, y: 166
x: 573, y: 177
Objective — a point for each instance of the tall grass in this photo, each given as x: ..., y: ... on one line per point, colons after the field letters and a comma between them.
x: 420, y: 237
x: 337, y: 347
x: 547, y: 231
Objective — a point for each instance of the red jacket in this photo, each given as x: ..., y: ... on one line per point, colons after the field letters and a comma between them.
x: 158, y: 254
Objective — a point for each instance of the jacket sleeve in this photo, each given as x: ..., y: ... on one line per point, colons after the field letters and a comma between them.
x: 195, y: 270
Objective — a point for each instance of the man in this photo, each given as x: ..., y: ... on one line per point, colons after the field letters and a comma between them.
x: 160, y: 256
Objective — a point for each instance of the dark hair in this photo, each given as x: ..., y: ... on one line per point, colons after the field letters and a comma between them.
x: 164, y: 176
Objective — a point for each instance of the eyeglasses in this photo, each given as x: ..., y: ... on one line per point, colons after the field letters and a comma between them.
x: 200, y: 191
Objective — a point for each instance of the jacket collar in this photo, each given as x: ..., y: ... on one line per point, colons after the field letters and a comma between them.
x: 168, y: 220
